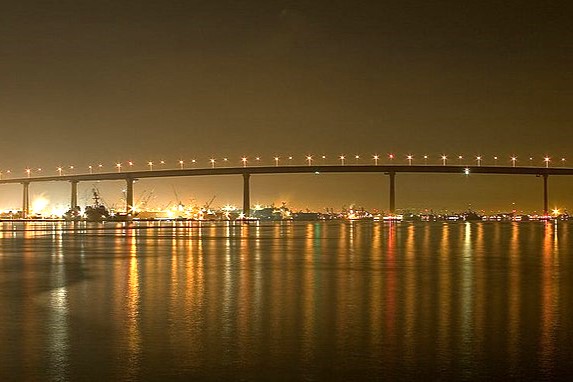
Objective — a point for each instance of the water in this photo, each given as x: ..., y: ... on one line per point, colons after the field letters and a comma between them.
x: 285, y: 301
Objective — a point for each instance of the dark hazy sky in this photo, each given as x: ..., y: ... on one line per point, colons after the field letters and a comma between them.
x: 83, y: 82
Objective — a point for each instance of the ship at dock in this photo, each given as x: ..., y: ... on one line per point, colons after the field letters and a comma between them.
x: 96, y: 212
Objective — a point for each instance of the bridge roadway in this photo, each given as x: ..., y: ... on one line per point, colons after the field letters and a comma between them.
x: 391, y: 170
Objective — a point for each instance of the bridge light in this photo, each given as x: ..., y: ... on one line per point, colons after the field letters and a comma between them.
x: 546, y: 160
x: 309, y: 159
x: 28, y: 171
x: 342, y: 157
x: 150, y: 164
x: 409, y: 157
x: 513, y: 160
x: 425, y: 159
x: 59, y: 171
x: 244, y: 160
x: 91, y: 169
x: 276, y: 161
x: 478, y: 159
x: 118, y: 165
x: 563, y: 161
x: 444, y: 159
x: 466, y: 171
x: 212, y: 160
x: 376, y: 158
x: 390, y: 156
x: 181, y: 164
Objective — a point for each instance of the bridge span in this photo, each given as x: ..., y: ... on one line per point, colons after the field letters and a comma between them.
x: 390, y: 170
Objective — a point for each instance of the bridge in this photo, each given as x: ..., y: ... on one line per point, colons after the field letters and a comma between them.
x: 246, y: 172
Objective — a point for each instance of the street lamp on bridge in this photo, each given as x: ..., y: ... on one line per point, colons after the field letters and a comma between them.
x: 444, y: 159
x: 376, y: 158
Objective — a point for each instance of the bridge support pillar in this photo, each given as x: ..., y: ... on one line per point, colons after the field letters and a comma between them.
x: 392, y: 192
x: 129, y: 207
x: 26, y: 200
x: 74, y: 196
x: 246, y: 195
x: 545, y: 199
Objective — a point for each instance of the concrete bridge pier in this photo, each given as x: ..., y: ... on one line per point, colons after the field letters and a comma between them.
x: 545, y: 199
x: 129, y: 206
x: 74, y: 196
x: 26, y: 200
x: 246, y: 195
x: 392, y: 192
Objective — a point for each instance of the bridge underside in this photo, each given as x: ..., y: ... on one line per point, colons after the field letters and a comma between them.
x: 246, y: 172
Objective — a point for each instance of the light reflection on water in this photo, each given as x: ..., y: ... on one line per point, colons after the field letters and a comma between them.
x: 285, y: 301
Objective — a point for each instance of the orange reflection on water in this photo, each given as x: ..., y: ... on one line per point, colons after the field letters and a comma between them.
x: 410, y: 295
x: 549, y: 296
x: 445, y: 296
x: 466, y: 297
x: 132, y: 301
x: 514, y: 296
x: 391, y: 282
x: 480, y: 288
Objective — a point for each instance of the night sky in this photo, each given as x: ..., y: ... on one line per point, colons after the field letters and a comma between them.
x: 88, y: 82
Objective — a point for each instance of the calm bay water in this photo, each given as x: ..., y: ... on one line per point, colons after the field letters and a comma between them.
x: 286, y: 301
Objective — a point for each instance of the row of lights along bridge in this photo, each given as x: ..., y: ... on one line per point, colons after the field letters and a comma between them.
x: 309, y: 160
